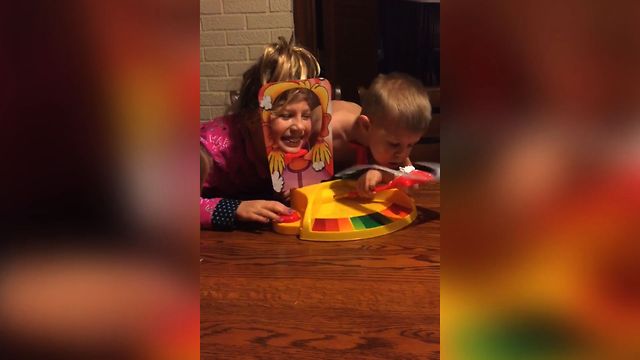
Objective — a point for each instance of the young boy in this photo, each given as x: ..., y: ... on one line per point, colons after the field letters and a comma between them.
x: 394, y: 115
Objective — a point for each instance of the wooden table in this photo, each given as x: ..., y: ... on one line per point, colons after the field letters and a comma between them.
x: 270, y: 296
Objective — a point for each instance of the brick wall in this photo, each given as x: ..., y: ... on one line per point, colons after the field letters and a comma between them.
x: 233, y: 34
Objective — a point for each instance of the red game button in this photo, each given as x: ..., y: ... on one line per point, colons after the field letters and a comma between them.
x: 293, y: 217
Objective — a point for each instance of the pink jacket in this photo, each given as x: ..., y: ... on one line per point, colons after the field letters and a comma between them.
x: 234, y: 176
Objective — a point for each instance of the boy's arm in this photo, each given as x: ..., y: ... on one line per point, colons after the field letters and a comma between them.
x: 370, y: 179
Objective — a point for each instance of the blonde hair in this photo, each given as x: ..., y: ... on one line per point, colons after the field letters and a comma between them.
x: 280, y: 61
x: 397, y: 97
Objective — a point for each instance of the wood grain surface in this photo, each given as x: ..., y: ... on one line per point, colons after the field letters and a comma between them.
x: 270, y: 296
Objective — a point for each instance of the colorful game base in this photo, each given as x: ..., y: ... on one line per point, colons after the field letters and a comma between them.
x: 324, y: 218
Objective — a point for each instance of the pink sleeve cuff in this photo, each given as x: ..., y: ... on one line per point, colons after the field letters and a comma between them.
x: 207, y: 206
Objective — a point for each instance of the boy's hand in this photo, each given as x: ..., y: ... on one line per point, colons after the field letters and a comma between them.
x: 261, y: 211
x: 367, y: 182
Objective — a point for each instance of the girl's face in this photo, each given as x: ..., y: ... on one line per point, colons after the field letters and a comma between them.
x: 291, y: 126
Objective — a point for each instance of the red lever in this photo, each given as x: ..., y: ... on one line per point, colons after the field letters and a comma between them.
x: 416, y: 177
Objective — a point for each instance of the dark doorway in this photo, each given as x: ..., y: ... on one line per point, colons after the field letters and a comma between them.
x: 357, y: 39
x: 410, y: 39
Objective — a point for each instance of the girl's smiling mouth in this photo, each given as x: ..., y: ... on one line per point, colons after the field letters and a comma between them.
x: 292, y: 140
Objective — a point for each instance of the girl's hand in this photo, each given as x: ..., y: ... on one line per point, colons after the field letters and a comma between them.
x: 367, y: 182
x: 261, y: 211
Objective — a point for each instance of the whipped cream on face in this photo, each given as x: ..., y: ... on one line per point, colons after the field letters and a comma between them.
x: 407, y: 169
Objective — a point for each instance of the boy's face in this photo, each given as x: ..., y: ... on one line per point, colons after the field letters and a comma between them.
x: 390, y: 145
x: 291, y: 126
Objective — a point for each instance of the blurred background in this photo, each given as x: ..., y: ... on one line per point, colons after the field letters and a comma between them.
x: 541, y: 184
x: 99, y: 227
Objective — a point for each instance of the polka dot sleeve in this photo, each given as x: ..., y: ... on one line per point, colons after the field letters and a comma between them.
x: 224, y: 215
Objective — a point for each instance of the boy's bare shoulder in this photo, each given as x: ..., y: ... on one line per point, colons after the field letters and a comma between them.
x: 344, y: 112
x: 345, y: 106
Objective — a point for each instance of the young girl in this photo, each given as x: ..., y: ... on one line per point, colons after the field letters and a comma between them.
x: 296, y: 131
x: 290, y: 121
x: 236, y: 185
